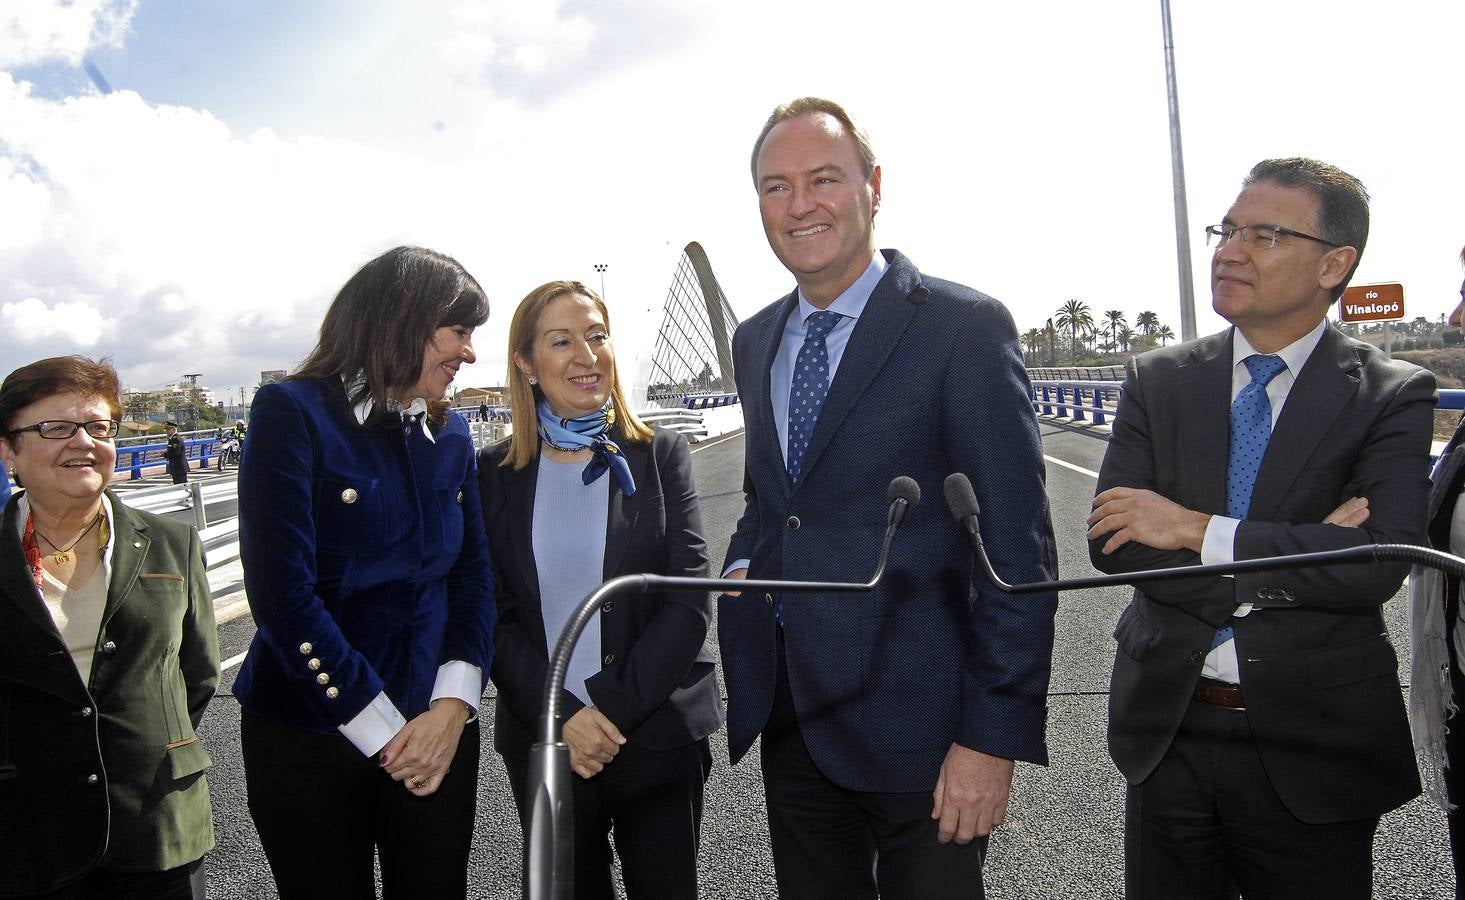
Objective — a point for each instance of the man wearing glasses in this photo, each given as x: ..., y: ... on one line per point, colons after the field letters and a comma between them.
x: 1258, y: 719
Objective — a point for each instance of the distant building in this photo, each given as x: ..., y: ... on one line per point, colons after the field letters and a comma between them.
x: 475, y: 396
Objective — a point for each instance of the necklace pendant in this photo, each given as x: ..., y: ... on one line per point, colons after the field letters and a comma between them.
x: 61, y: 557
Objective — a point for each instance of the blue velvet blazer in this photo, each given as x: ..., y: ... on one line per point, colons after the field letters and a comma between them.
x: 363, y: 548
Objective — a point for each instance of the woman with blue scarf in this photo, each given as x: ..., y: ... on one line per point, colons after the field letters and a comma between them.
x: 584, y: 491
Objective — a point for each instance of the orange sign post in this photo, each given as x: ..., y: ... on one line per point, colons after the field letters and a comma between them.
x: 1372, y: 303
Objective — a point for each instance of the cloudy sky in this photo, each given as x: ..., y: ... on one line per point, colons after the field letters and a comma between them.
x: 183, y: 186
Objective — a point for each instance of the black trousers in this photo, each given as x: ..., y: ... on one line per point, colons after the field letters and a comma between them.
x: 183, y: 883
x: 322, y: 809
x: 652, y: 800
x: 1207, y: 824
x: 831, y: 842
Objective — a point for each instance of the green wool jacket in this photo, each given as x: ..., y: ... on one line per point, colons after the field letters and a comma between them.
x: 109, y: 772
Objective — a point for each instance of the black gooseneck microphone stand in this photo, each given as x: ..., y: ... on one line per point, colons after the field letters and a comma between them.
x: 549, y: 862
x: 962, y: 501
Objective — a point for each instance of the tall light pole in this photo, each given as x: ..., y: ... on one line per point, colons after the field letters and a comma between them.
x: 1177, y: 169
x: 601, y: 267
x: 192, y: 399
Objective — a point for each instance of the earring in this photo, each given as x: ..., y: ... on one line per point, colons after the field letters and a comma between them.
x: 533, y: 380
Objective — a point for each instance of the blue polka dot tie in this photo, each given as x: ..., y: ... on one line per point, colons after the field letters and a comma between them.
x: 1251, y: 429
x: 809, y: 387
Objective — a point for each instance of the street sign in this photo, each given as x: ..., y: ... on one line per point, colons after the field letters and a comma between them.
x: 1372, y: 303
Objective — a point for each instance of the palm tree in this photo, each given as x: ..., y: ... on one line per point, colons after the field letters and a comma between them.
x: 1114, y: 320
x: 1076, y: 317
x: 1126, y: 337
x: 1165, y: 334
x: 1148, y: 322
x: 1032, y: 341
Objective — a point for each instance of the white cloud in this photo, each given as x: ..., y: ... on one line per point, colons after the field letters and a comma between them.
x: 77, y: 323
x: 33, y: 32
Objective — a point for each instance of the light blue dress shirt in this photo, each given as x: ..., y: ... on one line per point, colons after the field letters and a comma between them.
x: 849, y: 305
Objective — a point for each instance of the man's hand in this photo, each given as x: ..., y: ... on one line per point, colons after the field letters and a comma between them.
x: 594, y: 741
x: 420, y: 754
x: 739, y: 574
x: 1130, y: 514
x: 1352, y: 513
x: 971, y: 794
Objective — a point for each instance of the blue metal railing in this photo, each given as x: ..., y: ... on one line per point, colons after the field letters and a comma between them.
x: 1077, y: 400
x: 1082, y: 399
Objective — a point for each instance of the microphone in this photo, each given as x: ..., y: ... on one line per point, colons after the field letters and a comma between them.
x: 904, y: 495
x: 549, y: 839
x: 961, y: 500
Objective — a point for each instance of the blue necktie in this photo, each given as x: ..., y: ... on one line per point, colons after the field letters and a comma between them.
x: 1251, y: 429
x: 806, y: 393
x: 809, y: 387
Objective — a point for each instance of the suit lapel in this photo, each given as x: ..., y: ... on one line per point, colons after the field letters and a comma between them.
x: 886, y: 316
x: 1327, y: 383
x: 130, y: 544
x: 764, y: 350
x: 1205, y: 383
x: 520, y: 485
x: 622, y: 510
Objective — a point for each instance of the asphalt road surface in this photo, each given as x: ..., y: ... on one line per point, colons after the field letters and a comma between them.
x: 1063, y: 837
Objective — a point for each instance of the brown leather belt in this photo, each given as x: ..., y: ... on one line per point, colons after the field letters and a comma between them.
x: 1219, y: 693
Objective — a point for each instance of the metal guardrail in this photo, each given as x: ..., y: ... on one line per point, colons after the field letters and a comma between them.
x: 1067, y: 398
x: 1096, y: 401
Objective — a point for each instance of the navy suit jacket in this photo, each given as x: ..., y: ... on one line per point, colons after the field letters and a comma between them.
x: 931, y: 383
x: 657, y: 683
x: 363, y: 548
x: 1319, y: 673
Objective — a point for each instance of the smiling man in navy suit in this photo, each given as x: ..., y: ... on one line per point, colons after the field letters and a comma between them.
x: 890, y: 720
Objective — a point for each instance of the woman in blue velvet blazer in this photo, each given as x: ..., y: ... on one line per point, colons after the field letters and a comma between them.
x: 366, y: 568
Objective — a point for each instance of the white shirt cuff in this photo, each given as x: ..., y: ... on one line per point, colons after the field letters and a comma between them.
x: 461, y: 680
x: 735, y: 565
x: 1219, y: 545
x: 374, y: 726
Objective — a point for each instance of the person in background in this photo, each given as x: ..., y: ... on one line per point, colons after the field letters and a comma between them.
x: 1438, y: 640
x: 176, y: 454
x: 367, y: 572
x: 581, y: 492
x: 110, y: 657
x: 4, y: 486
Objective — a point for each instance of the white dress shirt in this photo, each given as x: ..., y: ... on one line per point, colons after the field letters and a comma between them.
x: 1220, y: 540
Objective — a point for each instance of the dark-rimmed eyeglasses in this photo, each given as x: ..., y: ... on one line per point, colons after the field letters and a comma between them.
x: 62, y: 430
x: 1257, y: 237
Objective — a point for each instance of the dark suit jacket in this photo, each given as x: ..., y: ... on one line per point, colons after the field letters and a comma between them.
x: 1319, y: 673
x: 363, y: 550
x: 109, y: 771
x: 931, y: 382
x: 658, y: 683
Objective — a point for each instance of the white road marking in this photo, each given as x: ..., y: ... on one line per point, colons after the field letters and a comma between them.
x: 232, y: 661
x: 721, y: 440
x: 1069, y: 465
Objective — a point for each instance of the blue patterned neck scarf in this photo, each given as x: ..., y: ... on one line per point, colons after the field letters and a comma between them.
x: 588, y: 431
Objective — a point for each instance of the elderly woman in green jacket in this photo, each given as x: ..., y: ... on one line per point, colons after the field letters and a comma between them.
x: 110, y: 656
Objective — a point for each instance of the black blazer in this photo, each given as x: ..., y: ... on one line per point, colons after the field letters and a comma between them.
x: 109, y: 770
x: 1320, y: 675
x: 931, y: 382
x: 657, y: 683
